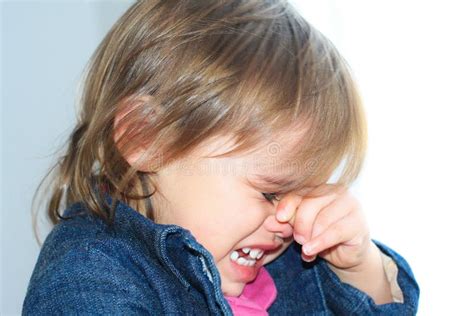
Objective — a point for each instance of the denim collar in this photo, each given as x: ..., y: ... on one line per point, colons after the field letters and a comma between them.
x: 174, y: 246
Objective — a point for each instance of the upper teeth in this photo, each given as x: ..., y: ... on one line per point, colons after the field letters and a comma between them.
x: 254, y: 254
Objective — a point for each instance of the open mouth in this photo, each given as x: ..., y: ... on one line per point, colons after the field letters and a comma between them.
x: 247, y: 256
x: 247, y: 261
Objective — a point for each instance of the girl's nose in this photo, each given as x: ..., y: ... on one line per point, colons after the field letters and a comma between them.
x: 283, y: 230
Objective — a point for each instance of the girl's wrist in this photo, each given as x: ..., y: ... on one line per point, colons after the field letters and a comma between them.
x: 369, y: 276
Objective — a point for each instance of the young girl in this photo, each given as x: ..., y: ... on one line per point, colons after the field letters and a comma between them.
x: 196, y: 179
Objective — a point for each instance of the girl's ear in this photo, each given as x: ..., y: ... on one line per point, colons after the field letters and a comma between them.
x: 120, y: 127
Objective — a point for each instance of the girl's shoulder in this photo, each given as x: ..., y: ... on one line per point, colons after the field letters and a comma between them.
x: 87, y: 266
x: 81, y: 235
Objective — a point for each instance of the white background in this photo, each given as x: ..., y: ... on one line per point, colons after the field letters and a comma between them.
x: 413, y: 61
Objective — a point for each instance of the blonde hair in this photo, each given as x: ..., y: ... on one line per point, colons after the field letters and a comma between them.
x: 208, y: 68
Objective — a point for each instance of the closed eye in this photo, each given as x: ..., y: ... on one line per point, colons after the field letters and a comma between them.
x: 271, y: 196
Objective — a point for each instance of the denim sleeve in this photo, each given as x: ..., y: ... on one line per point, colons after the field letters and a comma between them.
x: 84, y: 281
x: 344, y: 299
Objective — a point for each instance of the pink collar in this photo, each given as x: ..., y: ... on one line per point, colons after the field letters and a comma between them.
x: 256, y: 297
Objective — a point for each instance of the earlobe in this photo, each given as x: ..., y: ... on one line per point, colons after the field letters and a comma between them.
x: 123, y: 121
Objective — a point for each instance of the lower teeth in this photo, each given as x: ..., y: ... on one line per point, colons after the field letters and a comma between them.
x: 234, y: 256
x: 245, y: 262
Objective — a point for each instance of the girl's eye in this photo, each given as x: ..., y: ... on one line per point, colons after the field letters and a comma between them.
x: 271, y: 196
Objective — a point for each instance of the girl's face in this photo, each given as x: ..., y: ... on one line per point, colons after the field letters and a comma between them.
x: 212, y: 198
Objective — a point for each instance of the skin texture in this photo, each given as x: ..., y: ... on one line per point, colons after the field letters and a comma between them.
x: 212, y: 198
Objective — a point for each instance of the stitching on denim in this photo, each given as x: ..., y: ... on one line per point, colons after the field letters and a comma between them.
x: 319, y: 285
x: 165, y: 256
x: 218, y: 295
x: 205, y: 269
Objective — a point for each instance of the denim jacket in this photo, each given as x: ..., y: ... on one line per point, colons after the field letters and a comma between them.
x: 139, y: 267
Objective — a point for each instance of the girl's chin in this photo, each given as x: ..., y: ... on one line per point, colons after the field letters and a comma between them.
x: 232, y: 288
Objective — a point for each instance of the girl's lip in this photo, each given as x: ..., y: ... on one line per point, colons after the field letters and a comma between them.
x: 247, y: 273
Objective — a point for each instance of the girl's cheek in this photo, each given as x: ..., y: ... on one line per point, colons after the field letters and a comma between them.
x: 252, y: 218
x: 275, y: 255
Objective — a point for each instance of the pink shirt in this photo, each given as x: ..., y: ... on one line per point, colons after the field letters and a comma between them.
x: 256, y: 297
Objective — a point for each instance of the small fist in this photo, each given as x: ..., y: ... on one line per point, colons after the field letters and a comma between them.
x: 328, y: 221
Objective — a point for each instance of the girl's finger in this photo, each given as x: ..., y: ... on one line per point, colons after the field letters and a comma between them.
x: 334, y: 212
x: 287, y: 206
x: 305, y: 215
x: 343, y: 230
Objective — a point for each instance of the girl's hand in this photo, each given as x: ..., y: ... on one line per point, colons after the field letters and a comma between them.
x: 328, y: 221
